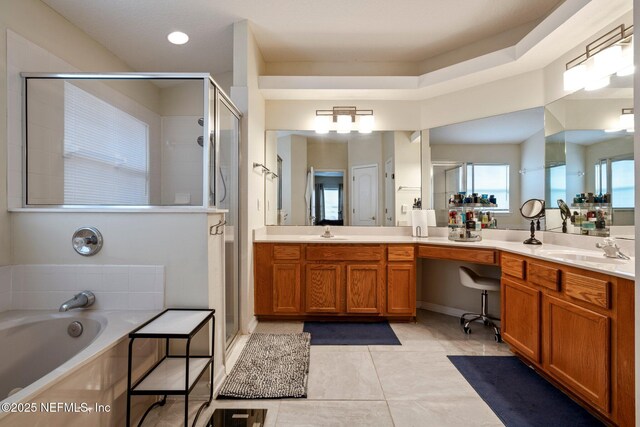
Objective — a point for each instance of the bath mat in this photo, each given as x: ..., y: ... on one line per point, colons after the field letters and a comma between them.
x: 518, y: 395
x: 270, y: 366
x: 351, y: 333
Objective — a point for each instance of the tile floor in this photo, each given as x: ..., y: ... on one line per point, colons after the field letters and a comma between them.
x: 403, y: 386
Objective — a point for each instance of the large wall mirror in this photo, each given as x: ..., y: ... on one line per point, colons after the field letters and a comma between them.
x: 501, y: 156
x: 341, y: 179
x: 590, y: 160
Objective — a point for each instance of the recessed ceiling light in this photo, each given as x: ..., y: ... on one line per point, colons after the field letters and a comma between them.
x: 178, y: 37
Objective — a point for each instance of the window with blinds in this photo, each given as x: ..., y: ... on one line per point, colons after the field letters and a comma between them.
x: 105, y: 152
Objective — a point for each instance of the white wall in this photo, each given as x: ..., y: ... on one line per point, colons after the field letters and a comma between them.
x: 299, y: 169
x: 575, y: 158
x: 532, y: 160
x: 284, y: 151
x: 271, y: 183
x: 248, y: 64
x: 407, y: 173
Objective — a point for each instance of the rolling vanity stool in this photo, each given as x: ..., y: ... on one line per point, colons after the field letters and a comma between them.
x: 471, y: 279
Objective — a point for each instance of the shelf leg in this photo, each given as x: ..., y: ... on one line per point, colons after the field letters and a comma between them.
x: 129, y: 382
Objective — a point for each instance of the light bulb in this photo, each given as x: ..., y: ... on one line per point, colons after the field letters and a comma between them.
x: 322, y: 124
x: 366, y: 124
x: 178, y: 37
x: 607, y: 61
x: 344, y: 123
x: 598, y: 83
x: 575, y: 78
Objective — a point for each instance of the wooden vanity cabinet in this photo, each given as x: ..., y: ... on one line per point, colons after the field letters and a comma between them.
x: 401, y: 280
x: 576, y: 327
x: 326, y: 280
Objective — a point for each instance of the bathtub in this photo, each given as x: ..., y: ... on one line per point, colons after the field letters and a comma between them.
x: 40, y: 361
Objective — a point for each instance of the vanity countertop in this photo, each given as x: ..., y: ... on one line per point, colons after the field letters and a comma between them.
x: 586, y: 259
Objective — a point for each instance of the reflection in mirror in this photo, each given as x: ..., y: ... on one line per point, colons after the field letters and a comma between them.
x: 590, y: 161
x: 114, y: 142
x: 501, y: 156
x: 565, y: 214
x: 341, y: 179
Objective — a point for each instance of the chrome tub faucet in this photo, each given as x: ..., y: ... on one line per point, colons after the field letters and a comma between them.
x: 81, y: 300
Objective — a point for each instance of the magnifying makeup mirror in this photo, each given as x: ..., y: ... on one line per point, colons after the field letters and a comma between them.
x: 532, y: 209
x: 565, y: 213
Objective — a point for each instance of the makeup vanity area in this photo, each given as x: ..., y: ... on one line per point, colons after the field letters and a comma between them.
x: 566, y: 310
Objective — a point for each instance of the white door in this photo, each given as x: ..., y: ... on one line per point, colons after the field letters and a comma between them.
x: 389, y: 193
x: 364, y: 195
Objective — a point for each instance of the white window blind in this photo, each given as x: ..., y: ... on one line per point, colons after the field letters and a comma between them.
x: 105, y: 152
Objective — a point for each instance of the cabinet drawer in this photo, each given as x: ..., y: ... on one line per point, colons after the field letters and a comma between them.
x: 400, y: 253
x: 588, y: 289
x: 478, y: 256
x: 345, y: 253
x: 542, y: 275
x: 288, y: 252
x: 513, y: 266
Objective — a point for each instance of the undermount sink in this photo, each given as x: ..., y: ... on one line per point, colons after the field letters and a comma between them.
x: 582, y: 256
x: 328, y: 239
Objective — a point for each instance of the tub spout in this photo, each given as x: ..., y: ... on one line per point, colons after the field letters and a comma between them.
x: 83, y: 299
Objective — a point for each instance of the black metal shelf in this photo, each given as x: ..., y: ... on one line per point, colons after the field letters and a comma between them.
x: 172, y: 374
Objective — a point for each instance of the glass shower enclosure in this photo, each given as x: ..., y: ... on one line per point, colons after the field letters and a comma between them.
x: 135, y: 140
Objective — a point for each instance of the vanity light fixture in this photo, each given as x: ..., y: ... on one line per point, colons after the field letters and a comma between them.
x: 178, y: 37
x: 610, y: 54
x: 344, y: 118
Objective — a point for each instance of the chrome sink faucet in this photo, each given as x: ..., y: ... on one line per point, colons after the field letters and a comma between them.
x: 83, y: 299
x: 611, y: 249
x: 327, y: 232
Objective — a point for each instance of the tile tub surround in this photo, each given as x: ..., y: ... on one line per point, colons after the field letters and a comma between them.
x: 117, y: 287
x: 5, y: 288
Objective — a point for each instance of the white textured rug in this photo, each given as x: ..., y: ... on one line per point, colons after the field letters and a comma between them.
x: 270, y: 366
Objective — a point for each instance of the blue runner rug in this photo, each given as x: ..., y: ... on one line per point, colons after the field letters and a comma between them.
x: 518, y: 395
x: 351, y: 333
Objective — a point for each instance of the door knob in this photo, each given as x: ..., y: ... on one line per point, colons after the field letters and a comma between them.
x: 373, y: 218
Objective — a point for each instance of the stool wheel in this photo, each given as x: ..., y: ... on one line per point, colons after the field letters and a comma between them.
x: 467, y: 330
x: 498, y: 338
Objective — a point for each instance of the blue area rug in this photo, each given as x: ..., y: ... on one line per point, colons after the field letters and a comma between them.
x: 351, y: 333
x: 518, y: 395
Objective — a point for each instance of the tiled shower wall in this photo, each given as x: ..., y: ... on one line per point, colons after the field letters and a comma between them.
x: 117, y: 287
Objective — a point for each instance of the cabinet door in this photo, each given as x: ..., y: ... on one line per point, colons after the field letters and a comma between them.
x: 521, y: 318
x: 286, y: 288
x: 577, y: 349
x: 401, y: 289
x: 364, y: 288
x: 323, y: 288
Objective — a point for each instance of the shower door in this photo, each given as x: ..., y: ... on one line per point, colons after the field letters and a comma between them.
x: 226, y: 197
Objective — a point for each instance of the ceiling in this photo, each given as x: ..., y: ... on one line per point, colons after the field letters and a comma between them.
x: 512, y: 128
x: 295, y: 30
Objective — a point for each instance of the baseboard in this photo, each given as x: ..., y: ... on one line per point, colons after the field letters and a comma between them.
x: 218, y: 379
x: 253, y: 324
x: 451, y: 311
